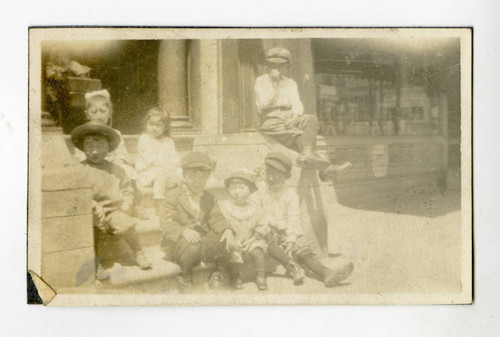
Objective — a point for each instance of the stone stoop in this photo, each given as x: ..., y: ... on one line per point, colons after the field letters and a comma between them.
x: 231, y: 152
x: 123, y: 275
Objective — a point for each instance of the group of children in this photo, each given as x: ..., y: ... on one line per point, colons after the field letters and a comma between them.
x: 243, y: 225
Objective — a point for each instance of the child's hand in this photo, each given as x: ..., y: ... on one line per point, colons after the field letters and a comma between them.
x: 289, y: 248
x: 292, y: 121
x: 99, y: 212
x: 228, y: 237
x: 260, y: 232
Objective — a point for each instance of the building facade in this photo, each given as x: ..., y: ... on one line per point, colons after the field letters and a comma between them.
x: 391, y: 108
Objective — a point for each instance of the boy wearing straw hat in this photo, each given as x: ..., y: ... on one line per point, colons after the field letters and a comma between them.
x: 112, y: 191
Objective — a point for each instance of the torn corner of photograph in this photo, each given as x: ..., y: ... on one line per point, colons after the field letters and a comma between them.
x: 308, y: 166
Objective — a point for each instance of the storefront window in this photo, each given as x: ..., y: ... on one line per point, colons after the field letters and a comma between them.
x: 350, y: 106
x: 384, y: 87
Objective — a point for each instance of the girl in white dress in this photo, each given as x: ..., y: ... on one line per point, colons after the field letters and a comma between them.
x: 158, y: 164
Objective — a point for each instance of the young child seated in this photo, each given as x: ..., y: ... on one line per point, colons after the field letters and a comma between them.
x: 99, y: 110
x: 243, y: 210
x: 158, y: 164
x: 112, y: 193
x: 281, y: 207
x: 194, y: 229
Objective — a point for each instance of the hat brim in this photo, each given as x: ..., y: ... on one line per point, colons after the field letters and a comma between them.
x: 250, y: 184
x: 279, y: 60
x: 200, y: 166
x: 79, y: 133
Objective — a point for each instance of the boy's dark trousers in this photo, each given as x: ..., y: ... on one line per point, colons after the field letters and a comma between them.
x: 296, y: 141
x: 189, y: 255
x: 129, y: 236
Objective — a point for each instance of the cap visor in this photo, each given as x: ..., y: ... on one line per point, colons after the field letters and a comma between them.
x: 276, y: 60
x: 201, y: 166
x: 277, y: 165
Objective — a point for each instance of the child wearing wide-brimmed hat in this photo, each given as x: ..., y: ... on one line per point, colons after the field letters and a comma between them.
x: 99, y: 110
x: 112, y: 192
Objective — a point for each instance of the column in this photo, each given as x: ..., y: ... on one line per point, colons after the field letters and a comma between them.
x: 210, y: 100
x: 173, y: 81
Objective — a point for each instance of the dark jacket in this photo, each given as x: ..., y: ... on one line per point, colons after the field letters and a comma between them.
x: 176, y: 214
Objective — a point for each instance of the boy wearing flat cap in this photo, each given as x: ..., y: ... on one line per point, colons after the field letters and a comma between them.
x: 244, y: 211
x: 282, y: 113
x: 112, y: 191
x: 281, y: 207
x: 194, y: 229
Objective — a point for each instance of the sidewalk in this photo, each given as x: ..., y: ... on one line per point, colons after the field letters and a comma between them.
x: 392, y: 253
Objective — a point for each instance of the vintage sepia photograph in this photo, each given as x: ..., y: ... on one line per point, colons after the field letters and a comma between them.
x: 249, y: 166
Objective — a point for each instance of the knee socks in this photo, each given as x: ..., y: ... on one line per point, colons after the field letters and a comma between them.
x: 278, y: 253
x: 259, y: 262
x: 315, y: 265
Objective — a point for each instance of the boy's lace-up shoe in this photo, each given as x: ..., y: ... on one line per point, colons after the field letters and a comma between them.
x: 333, y: 277
x: 101, y: 273
x: 142, y: 261
x: 237, y: 283
x: 296, y: 271
x: 261, y: 282
x: 308, y: 157
x: 216, y: 280
x: 328, y: 172
x: 185, y: 283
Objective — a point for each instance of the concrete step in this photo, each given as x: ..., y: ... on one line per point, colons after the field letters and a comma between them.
x: 125, y: 273
x: 149, y: 230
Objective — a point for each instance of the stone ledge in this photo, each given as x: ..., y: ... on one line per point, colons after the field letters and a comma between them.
x: 124, y: 275
x: 64, y: 233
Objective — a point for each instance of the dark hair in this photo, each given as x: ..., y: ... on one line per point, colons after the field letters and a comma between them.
x: 165, y: 118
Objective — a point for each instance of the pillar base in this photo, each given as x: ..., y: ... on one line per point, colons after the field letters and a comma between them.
x: 180, y: 122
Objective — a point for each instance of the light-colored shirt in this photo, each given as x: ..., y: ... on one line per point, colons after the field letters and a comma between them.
x: 157, y: 152
x: 194, y: 201
x: 245, y: 219
x: 111, y: 187
x: 282, y: 212
x: 270, y: 94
